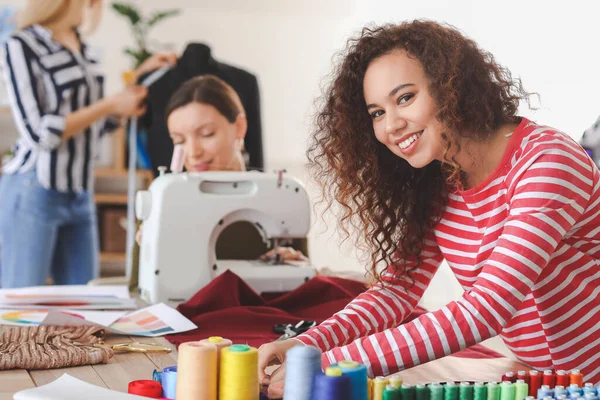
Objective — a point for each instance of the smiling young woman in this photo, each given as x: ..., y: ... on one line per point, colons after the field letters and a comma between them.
x: 420, y: 142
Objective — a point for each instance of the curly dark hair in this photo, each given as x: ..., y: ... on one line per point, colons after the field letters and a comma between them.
x: 389, y: 204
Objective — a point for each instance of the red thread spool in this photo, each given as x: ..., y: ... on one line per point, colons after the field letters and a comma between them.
x: 576, y: 377
x: 523, y: 376
x: 509, y: 376
x: 535, y: 382
x: 562, y: 379
x: 146, y: 388
x: 549, y: 378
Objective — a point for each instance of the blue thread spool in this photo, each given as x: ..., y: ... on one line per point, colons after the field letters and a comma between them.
x: 303, y: 363
x: 574, y: 388
x: 332, y: 385
x: 589, y: 388
x: 560, y: 390
x: 544, y: 391
x: 358, y: 378
x: 168, y: 378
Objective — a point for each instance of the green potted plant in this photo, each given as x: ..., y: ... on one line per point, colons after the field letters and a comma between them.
x: 140, y: 26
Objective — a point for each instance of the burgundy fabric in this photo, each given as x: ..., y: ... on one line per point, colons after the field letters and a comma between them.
x: 228, y: 307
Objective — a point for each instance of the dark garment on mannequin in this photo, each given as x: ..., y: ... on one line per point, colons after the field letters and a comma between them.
x: 197, y: 60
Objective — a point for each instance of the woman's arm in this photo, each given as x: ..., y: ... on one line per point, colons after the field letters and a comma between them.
x: 383, y: 306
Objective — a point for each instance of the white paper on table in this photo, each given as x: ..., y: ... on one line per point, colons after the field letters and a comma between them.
x: 16, y: 317
x: 155, y: 320
x: 69, y: 388
x: 80, y: 297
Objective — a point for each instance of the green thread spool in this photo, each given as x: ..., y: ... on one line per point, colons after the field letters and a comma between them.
x: 465, y: 391
x: 521, y: 390
x: 450, y: 391
x: 407, y: 392
x: 391, y: 393
x: 507, y: 391
x: 493, y: 391
x: 436, y: 391
x: 479, y: 391
x: 421, y: 392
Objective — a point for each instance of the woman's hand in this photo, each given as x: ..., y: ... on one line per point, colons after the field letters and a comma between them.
x: 155, y: 61
x: 285, y: 254
x: 129, y: 102
x: 273, y: 354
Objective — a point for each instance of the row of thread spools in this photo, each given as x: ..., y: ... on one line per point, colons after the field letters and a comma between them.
x: 550, y: 384
x: 208, y: 369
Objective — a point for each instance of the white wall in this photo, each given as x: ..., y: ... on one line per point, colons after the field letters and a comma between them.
x: 289, y: 44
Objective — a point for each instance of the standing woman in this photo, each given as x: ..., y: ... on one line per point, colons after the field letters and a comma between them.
x: 48, y: 223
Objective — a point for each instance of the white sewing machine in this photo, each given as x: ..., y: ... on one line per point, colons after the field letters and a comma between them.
x: 183, y: 215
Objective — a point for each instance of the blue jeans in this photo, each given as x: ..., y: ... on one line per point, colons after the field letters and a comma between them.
x: 45, y: 233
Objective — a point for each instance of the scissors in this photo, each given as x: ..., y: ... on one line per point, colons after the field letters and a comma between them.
x: 293, y: 330
x: 135, y: 347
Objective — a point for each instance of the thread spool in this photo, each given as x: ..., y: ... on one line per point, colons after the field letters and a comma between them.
x: 509, y: 376
x: 407, y: 392
x: 220, y: 343
x: 436, y: 391
x: 392, y: 393
x: 197, y: 372
x: 507, y: 391
x: 379, y: 385
x: 493, y: 391
x: 549, y: 378
x: 589, y: 388
x: 450, y: 391
x: 303, y: 363
x: 168, y: 379
x: 574, y: 388
x: 332, y: 385
x: 561, y: 378
x: 560, y: 390
x: 521, y: 389
x: 422, y: 392
x: 370, y: 388
x: 395, y: 381
x: 479, y: 391
x: 535, y: 382
x: 465, y: 391
x: 238, y: 377
x: 145, y: 388
x: 177, y: 159
x: 523, y: 376
x: 544, y: 391
x: 358, y: 378
x: 576, y: 377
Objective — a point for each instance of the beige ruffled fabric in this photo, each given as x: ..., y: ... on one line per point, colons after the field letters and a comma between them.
x: 45, y: 347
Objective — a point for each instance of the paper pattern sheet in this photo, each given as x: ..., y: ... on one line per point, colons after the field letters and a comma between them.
x: 76, y: 297
x: 69, y: 388
x: 156, y: 320
x: 35, y: 317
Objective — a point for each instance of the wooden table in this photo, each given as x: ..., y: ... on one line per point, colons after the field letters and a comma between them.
x: 124, y: 368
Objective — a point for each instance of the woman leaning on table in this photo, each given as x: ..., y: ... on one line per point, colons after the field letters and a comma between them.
x: 48, y: 225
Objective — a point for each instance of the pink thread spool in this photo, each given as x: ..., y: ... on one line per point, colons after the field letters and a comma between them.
x: 177, y: 159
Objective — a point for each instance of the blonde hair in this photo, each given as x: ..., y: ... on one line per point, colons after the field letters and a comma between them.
x: 47, y: 11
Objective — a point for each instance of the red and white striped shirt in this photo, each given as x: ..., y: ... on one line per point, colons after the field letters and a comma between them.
x: 524, y: 245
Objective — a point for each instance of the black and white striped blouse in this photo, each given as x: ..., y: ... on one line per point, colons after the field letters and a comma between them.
x: 45, y: 82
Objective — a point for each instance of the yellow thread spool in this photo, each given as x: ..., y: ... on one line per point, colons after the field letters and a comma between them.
x: 238, y: 378
x: 369, y: 389
x: 333, y: 371
x: 395, y: 381
x: 379, y: 385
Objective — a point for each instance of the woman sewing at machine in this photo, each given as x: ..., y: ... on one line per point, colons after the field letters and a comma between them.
x: 207, y: 123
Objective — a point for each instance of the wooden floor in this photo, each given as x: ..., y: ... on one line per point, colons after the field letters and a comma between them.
x: 122, y: 369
